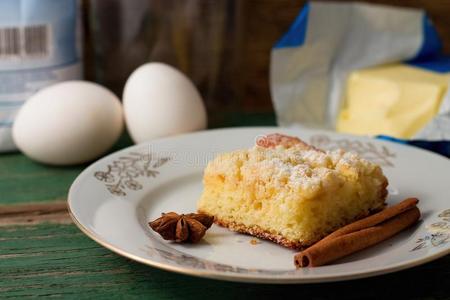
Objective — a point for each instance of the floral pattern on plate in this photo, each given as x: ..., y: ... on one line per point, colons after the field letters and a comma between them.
x: 187, y: 260
x: 438, y: 233
x: 123, y: 173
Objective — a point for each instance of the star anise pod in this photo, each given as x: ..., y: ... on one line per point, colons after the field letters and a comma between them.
x: 182, y: 228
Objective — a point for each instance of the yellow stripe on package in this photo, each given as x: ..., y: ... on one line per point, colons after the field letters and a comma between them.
x: 396, y: 100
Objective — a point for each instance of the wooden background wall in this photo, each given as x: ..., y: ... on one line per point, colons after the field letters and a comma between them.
x: 223, y: 45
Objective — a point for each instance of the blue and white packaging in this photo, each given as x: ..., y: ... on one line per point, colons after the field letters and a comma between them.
x: 328, y: 40
x: 40, y: 44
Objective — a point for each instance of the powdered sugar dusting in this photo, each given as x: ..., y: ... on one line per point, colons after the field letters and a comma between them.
x: 298, y: 168
x: 291, y: 169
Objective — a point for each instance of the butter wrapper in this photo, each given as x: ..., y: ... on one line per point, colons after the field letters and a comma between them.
x: 332, y: 45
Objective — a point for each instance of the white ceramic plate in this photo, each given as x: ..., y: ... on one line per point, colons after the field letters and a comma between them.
x: 113, y: 200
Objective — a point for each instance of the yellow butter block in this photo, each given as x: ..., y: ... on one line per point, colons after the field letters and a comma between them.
x: 396, y: 100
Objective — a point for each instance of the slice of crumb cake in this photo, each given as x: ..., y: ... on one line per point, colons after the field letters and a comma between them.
x: 289, y: 192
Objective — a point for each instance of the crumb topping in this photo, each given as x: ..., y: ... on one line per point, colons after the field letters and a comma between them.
x: 294, y: 168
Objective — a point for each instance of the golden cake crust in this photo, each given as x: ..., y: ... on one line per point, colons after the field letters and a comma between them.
x: 257, y: 231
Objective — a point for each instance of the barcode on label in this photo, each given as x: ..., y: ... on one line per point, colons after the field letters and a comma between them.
x: 24, y: 42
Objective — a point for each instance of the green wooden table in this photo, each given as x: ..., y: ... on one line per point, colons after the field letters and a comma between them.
x: 43, y: 254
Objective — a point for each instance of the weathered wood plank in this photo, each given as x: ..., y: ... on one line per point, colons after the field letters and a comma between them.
x: 24, y: 181
x: 26, y: 214
x: 59, y: 261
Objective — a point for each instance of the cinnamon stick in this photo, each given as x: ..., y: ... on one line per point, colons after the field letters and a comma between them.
x: 360, y: 235
x: 385, y: 214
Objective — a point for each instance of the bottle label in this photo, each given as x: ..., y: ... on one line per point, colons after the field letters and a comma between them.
x: 40, y: 44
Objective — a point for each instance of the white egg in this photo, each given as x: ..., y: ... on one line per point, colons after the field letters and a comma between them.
x: 68, y: 123
x: 159, y: 100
